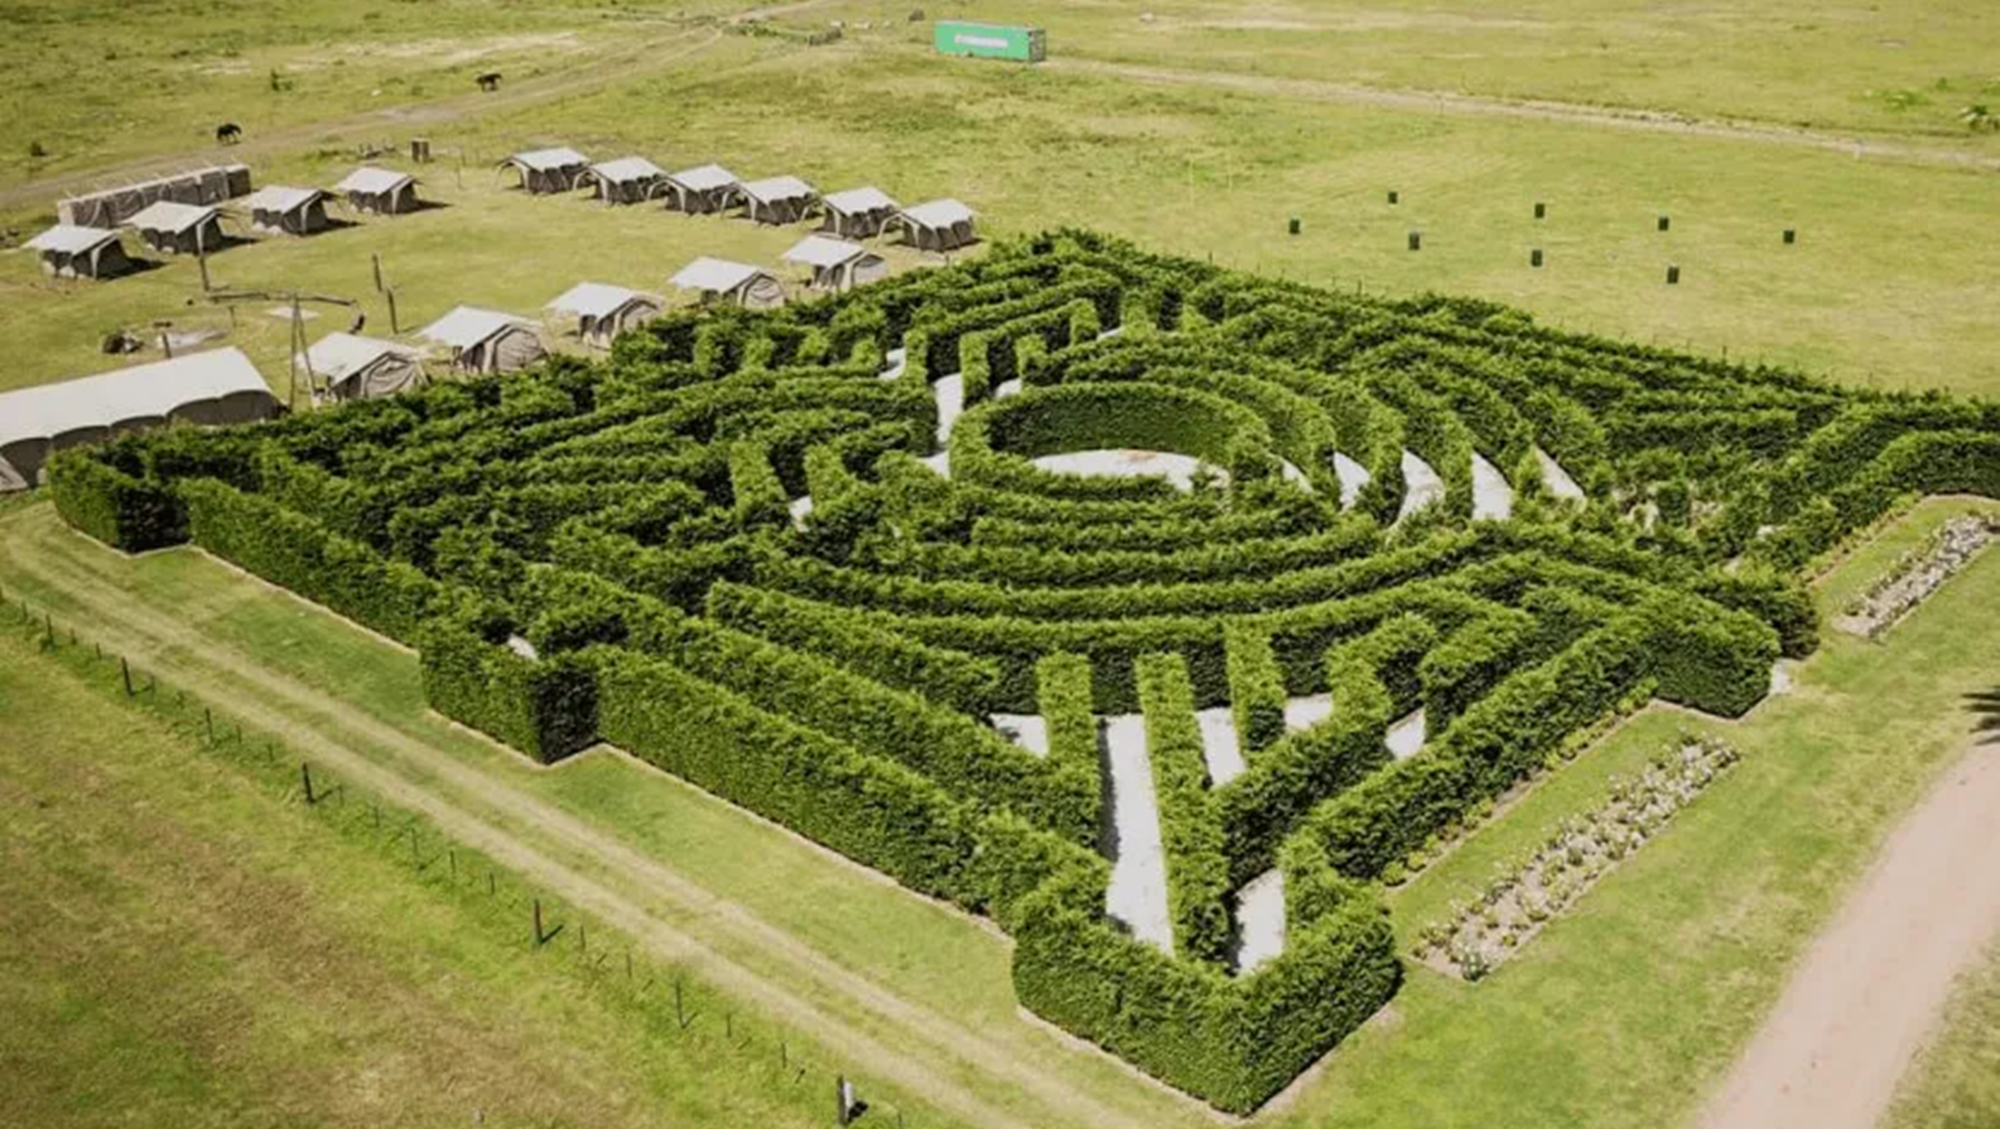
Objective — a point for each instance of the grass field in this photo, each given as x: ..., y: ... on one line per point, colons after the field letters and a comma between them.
x: 189, y: 947
x: 1563, y: 1035
x: 1955, y: 1084
x: 1886, y: 286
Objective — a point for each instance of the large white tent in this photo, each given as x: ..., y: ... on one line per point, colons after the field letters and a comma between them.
x: 836, y: 264
x: 486, y: 340
x: 937, y: 225
x: 603, y: 311
x: 346, y: 366
x: 857, y: 213
x: 740, y: 283
x: 69, y: 251
x: 217, y: 387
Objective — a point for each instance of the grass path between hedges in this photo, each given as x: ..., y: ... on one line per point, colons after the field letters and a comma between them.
x: 925, y: 1053
x: 188, y: 946
x: 1625, y: 1013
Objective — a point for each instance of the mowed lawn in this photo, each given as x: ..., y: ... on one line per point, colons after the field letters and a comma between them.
x: 1888, y: 284
x: 1620, y: 1014
x: 187, y: 946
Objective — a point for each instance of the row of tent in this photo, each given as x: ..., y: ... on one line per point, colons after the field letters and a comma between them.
x: 856, y: 213
x: 175, y: 227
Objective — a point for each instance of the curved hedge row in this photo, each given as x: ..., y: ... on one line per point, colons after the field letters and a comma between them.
x: 613, y: 551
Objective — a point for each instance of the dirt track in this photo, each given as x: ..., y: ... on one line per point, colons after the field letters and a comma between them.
x: 878, y: 1032
x: 1473, y: 105
x: 1872, y: 986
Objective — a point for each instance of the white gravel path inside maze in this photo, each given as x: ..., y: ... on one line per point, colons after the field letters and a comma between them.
x: 1407, y: 735
x: 1030, y: 731
x: 1353, y: 476
x: 1260, y: 920
x: 898, y: 358
x: 950, y: 393
x: 1176, y: 469
x: 1492, y: 498
x: 1137, y: 894
x: 1220, y: 747
x: 1293, y: 474
x: 1557, y: 479
x: 1422, y: 486
x: 1307, y: 710
x: 1007, y: 388
x: 800, y: 507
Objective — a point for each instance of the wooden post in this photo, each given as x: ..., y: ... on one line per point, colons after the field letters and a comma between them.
x: 208, y: 720
x: 538, y: 921
x: 125, y: 669
x: 416, y: 857
x: 306, y: 778
x: 680, y: 1013
x: 377, y: 260
x: 390, y: 294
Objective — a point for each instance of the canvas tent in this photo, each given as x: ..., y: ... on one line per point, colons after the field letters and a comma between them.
x: 938, y: 225
x: 857, y: 213
x: 602, y: 311
x: 179, y: 228
x: 113, y: 206
x: 548, y: 170
x: 344, y: 366
x: 626, y: 180
x: 80, y: 252
x: 381, y: 191
x: 777, y: 200
x: 741, y: 283
x: 837, y: 264
x: 700, y: 191
x: 485, y: 340
x: 218, y: 387
x: 278, y: 210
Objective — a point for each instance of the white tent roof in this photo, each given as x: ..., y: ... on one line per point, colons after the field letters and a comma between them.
x: 704, y: 178
x: 373, y: 181
x: 627, y: 168
x: 938, y: 213
x: 338, y: 355
x: 595, y: 299
x: 171, y: 216
x: 821, y: 251
x: 466, y: 326
x: 278, y: 198
x: 778, y: 188
x: 139, y: 392
x: 542, y: 160
x: 854, y: 200
x: 71, y: 239
x: 716, y: 276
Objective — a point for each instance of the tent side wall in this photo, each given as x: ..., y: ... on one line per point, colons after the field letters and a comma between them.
x: 855, y: 225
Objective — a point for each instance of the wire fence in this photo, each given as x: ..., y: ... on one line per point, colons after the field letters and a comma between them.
x: 665, y: 1000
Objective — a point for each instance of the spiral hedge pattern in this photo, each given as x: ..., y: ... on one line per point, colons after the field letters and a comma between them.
x: 621, y: 551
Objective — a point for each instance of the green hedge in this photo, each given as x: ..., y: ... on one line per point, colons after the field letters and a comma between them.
x: 1256, y: 687
x: 546, y: 708
x: 1190, y: 827
x: 119, y: 509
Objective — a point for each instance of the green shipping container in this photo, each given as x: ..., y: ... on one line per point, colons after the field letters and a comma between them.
x: 990, y: 41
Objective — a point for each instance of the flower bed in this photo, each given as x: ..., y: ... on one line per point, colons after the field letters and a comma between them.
x: 1513, y: 909
x: 1918, y: 573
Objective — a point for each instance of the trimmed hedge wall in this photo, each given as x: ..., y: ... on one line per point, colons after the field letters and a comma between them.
x: 1190, y: 830
x: 118, y: 509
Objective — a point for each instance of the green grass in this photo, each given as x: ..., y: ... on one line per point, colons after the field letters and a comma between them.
x: 1619, y: 1014
x: 188, y: 946
x: 1887, y: 286
x: 1955, y: 1082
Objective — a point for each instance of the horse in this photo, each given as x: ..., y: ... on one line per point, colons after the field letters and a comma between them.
x: 228, y: 133
x: 489, y: 82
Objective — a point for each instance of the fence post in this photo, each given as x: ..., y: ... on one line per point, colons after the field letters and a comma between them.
x: 306, y: 777
x: 680, y: 1013
x: 208, y: 721
x: 125, y: 668
x: 538, y: 921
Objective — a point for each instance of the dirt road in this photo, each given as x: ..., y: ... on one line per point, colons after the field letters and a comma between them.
x: 1873, y: 984
x: 1473, y: 105
x: 878, y: 1032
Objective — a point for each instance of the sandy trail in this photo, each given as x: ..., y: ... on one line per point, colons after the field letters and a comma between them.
x: 1475, y: 105
x: 1869, y: 990
x: 918, y: 1049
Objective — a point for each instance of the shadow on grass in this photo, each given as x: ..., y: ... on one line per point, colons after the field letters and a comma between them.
x: 1986, y: 705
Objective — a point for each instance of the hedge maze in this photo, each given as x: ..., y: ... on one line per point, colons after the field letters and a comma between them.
x: 762, y: 552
